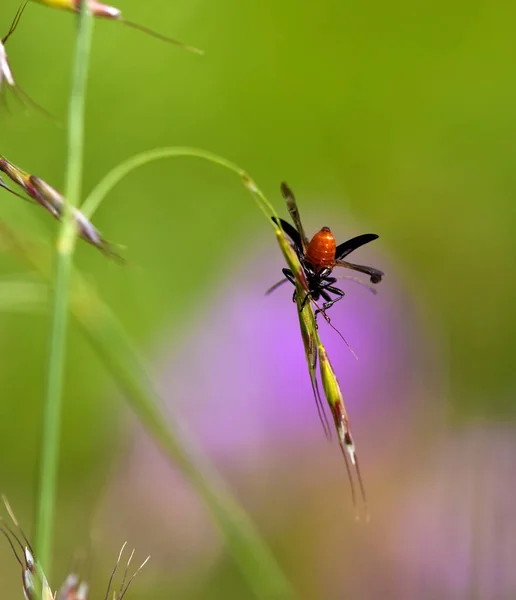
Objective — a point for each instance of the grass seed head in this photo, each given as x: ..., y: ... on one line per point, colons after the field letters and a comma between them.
x: 34, y: 580
x: 18, y: 542
x: 52, y: 201
x: 105, y: 11
x: 335, y: 399
x: 330, y: 383
x: 97, y: 8
x: 15, y: 174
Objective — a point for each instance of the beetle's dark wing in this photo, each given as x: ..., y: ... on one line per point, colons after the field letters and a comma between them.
x: 290, y: 231
x: 346, y: 248
x: 288, y: 195
x: 375, y: 275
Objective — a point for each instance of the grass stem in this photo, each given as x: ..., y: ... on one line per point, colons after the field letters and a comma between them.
x: 51, y: 433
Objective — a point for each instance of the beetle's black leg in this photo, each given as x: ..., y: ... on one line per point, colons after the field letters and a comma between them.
x: 339, y: 293
x: 322, y: 310
x: 289, y: 276
x: 326, y: 282
x: 335, y: 290
x: 329, y: 301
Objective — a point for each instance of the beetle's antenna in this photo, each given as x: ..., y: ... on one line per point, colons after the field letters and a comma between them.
x: 340, y: 335
x: 328, y: 320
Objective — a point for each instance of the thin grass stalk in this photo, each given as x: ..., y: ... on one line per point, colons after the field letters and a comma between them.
x: 113, y: 177
x: 51, y: 433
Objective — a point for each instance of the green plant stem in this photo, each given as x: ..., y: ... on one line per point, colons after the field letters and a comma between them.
x: 63, y: 266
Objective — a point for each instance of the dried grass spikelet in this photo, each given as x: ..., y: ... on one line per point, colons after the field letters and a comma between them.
x: 34, y: 579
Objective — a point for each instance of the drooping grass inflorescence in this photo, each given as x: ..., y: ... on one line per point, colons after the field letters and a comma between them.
x: 53, y: 202
x: 104, y: 11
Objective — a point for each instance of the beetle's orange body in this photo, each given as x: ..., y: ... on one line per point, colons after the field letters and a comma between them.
x: 320, y: 252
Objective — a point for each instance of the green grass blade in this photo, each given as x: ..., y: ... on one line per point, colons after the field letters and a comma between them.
x: 64, y: 254
x: 243, y: 541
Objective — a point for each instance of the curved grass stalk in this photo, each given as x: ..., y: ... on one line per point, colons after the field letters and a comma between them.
x: 113, y: 177
x: 99, y: 193
x: 63, y: 267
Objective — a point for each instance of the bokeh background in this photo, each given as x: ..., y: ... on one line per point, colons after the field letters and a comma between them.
x: 396, y: 118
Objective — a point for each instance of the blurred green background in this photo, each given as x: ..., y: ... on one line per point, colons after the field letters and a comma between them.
x: 401, y: 114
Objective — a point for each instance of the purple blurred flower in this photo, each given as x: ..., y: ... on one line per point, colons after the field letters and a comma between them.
x: 238, y: 377
x: 455, y: 532
x: 449, y: 531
